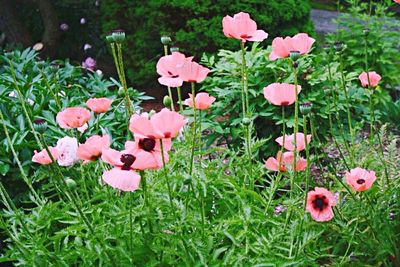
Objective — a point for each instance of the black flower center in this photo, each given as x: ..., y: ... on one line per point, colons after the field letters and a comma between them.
x: 285, y: 103
x: 127, y: 160
x: 360, y: 181
x: 147, y: 144
x: 320, y: 202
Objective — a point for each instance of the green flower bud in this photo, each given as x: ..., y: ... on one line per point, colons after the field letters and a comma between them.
x: 121, y: 91
x: 167, y: 101
x: 246, y: 121
x: 166, y: 40
x: 70, y: 183
x: 152, y: 112
x: 40, y: 125
x: 294, y: 55
x: 306, y: 108
x: 338, y: 46
x: 174, y: 49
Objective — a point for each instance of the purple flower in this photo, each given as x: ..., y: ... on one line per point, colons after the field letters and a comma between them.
x: 83, y: 21
x: 87, y: 47
x: 89, y: 63
x: 64, y: 27
x: 97, y: 3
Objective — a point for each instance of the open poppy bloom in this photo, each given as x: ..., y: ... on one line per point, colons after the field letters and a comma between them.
x: 289, y: 141
x: 67, y: 148
x: 191, y: 71
x: 89, y: 63
x: 397, y: 1
x: 281, y: 94
x: 163, y: 124
x: 167, y: 67
x: 99, y: 105
x: 203, y: 101
x: 91, y: 150
x: 370, y: 79
x: 74, y: 117
x: 43, y: 157
x: 319, y: 204
x: 122, y: 179
x: 286, y: 160
x: 243, y: 28
x: 281, y: 47
x: 360, y: 179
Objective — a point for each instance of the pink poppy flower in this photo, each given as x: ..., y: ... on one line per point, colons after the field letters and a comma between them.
x: 67, y: 148
x: 74, y: 117
x: 320, y: 203
x: 281, y: 94
x: 163, y: 124
x: 123, y: 180
x: 191, y: 71
x: 99, y: 105
x: 287, y: 161
x: 167, y: 67
x: 203, y: 101
x: 243, y: 28
x: 140, y: 155
x: 397, y: 1
x: 281, y: 47
x: 91, y: 150
x: 43, y: 157
x: 360, y: 179
x: 374, y: 79
x: 89, y: 63
x: 289, y: 141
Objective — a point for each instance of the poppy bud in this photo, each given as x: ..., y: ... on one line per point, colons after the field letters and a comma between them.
x: 121, y: 91
x: 166, y: 40
x: 246, y: 121
x: 40, y: 125
x: 70, y: 183
x: 152, y: 112
x: 54, y: 67
x: 167, y: 101
x: 294, y: 55
x: 306, y: 108
x: 110, y: 38
x: 174, y: 49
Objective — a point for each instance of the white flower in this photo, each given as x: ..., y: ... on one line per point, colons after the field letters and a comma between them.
x: 30, y: 101
x: 67, y: 146
x: 87, y: 47
x: 99, y: 72
x: 12, y: 94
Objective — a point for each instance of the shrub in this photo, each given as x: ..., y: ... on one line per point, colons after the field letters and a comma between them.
x: 194, y: 25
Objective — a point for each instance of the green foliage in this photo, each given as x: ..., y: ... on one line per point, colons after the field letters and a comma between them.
x: 39, y: 82
x: 195, y: 27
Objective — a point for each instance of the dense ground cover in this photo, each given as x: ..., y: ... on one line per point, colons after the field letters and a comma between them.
x: 286, y: 158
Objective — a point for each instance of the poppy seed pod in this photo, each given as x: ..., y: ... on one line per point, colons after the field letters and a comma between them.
x: 338, y: 46
x: 166, y: 40
x: 306, y: 108
x: 118, y: 36
x: 40, y: 125
x: 167, y: 101
x: 174, y: 49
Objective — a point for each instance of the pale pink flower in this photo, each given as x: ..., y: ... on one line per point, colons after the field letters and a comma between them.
x: 167, y: 67
x: 289, y: 141
x: 373, y: 80
x: 74, y: 117
x: 92, y: 149
x: 286, y: 162
x: 99, y: 105
x: 281, y: 47
x: 243, y: 28
x: 281, y: 94
x: 203, y: 101
x: 67, y: 148
x: 360, y: 179
x: 191, y: 71
x: 89, y: 63
x: 43, y: 157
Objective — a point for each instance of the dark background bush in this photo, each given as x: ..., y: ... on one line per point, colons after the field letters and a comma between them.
x: 195, y: 27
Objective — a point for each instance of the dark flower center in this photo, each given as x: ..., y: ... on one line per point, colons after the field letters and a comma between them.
x: 285, y: 103
x: 360, y: 181
x: 127, y: 160
x: 147, y: 144
x: 320, y: 202
x: 39, y: 121
x: 245, y: 36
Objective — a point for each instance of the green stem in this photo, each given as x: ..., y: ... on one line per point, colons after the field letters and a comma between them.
x: 347, y: 104
x: 21, y: 169
x: 167, y: 178
x: 169, y: 88
x: 55, y: 96
x: 296, y: 124
x: 123, y: 81
x: 308, y: 172
x: 180, y: 99
x: 147, y: 204
x: 24, y: 108
x: 194, y: 128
